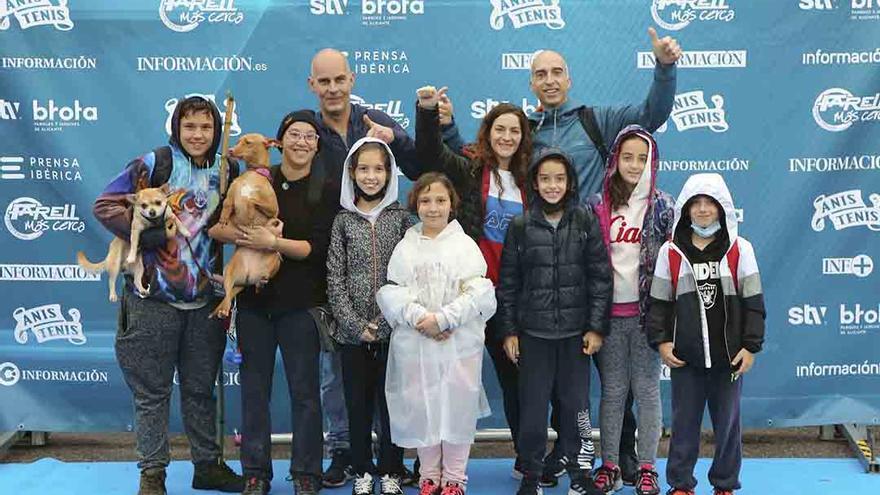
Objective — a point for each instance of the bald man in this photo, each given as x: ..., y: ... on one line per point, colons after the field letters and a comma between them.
x: 562, y: 122
x: 342, y: 122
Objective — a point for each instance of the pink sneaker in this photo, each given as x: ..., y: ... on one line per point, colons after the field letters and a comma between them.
x: 452, y: 489
x: 428, y: 487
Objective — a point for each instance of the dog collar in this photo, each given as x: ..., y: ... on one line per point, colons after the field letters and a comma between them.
x: 265, y: 173
x: 158, y: 219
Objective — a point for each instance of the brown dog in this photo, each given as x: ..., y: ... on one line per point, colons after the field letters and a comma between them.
x: 251, y: 202
x: 150, y: 208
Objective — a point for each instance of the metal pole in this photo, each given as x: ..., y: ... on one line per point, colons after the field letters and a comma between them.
x: 224, y: 184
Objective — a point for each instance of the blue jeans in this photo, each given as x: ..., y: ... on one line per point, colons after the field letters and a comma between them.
x: 333, y: 402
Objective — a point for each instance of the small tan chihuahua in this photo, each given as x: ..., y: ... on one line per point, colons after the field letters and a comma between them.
x: 149, y: 208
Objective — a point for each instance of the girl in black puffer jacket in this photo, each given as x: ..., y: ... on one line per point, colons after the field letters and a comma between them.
x: 554, y: 300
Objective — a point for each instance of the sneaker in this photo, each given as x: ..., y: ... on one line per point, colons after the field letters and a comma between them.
x: 554, y: 467
x: 530, y: 486
x: 428, y: 487
x: 647, y: 481
x: 409, y: 478
x: 306, y: 485
x: 452, y: 489
x: 517, y: 473
x: 679, y: 491
x: 363, y: 484
x: 718, y: 491
x: 255, y: 486
x: 218, y: 477
x: 390, y: 485
x: 583, y: 485
x: 339, y: 471
x: 607, y: 478
x: 152, y: 482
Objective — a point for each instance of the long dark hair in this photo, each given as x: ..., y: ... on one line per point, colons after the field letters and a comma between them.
x: 618, y: 190
x: 519, y: 162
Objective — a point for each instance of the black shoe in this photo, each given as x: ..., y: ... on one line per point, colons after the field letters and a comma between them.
x: 409, y: 478
x: 152, y: 482
x: 339, y: 471
x: 583, y: 485
x: 554, y: 467
x: 390, y: 484
x: 306, y: 485
x: 517, y: 473
x: 255, y: 486
x: 363, y: 484
x: 530, y: 486
x: 219, y: 477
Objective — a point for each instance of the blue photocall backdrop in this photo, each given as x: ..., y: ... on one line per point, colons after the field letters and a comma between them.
x: 780, y: 97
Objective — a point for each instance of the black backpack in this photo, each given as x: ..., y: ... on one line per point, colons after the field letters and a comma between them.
x: 588, y: 120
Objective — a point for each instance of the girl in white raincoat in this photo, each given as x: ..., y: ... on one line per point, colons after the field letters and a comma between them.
x: 437, y: 301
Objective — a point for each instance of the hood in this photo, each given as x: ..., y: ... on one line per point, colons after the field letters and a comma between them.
x: 541, y: 156
x: 347, y: 195
x: 550, y: 117
x: 647, y: 183
x: 174, y: 140
x: 711, y: 185
x: 415, y: 232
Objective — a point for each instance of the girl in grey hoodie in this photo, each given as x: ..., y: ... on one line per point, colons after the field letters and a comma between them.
x: 363, y: 237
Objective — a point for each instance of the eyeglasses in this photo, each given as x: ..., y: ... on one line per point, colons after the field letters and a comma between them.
x: 309, y: 137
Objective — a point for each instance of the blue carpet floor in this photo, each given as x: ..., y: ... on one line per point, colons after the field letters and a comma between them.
x: 487, y: 477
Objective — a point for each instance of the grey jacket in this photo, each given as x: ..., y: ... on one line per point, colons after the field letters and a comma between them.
x: 361, y: 244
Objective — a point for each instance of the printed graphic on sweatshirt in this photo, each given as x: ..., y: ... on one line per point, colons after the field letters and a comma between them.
x: 707, y: 272
x: 621, y: 232
x: 501, y: 208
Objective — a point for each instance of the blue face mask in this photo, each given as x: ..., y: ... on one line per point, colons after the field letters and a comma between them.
x: 708, y: 231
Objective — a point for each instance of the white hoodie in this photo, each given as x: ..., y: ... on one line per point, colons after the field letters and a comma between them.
x: 347, y: 197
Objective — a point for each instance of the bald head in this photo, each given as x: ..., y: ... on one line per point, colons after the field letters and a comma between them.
x: 330, y: 57
x: 550, y: 79
x: 331, y: 80
x: 544, y: 57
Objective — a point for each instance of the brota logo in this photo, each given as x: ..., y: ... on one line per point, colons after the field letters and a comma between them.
x: 50, y: 117
x: 861, y: 266
x: 328, y: 7
x: 678, y: 14
x: 383, y: 12
x: 185, y: 15
x: 27, y: 219
x: 807, y: 315
x: 836, y: 109
x: 480, y: 108
x: 54, y: 169
x: 690, y: 111
x: 846, y: 209
x: 393, y: 108
x: 234, y: 128
x: 30, y: 13
x: 9, y: 109
x: 526, y: 13
x: 48, y: 323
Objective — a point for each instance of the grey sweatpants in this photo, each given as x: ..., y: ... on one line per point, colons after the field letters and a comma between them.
x: 153, y: 339
x: 627, y: 361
